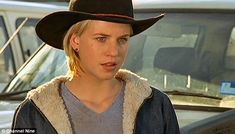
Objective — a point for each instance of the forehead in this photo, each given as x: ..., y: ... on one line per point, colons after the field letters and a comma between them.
x: 108, y: 26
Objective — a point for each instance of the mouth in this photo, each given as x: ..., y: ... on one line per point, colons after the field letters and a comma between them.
x: 109, y: 66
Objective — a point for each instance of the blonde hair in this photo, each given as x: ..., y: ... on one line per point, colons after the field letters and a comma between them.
x: 73, y: 61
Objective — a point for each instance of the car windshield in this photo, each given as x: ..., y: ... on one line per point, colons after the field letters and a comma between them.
x: 45, y: 65
x: 190, y: 56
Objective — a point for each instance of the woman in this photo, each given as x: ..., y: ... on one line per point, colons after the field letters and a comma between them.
x: 96, y: 97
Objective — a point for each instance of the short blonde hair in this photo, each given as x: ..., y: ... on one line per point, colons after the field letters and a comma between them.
x: 73, y: 61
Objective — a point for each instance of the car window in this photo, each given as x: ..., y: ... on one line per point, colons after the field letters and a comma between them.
x: 229, y: 59
x: 46, y: 64
x: 187, y: 52
x: 27, y: 36
x: 6, y: 61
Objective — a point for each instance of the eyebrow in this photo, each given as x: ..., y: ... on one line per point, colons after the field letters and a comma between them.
x: 102, y: 34
x: 106, y: 35
x: 126, y: 35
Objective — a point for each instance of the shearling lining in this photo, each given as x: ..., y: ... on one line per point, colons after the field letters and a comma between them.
x: 48, y: 100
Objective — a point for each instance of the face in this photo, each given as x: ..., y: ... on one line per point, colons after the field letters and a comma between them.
x: 102, y: 48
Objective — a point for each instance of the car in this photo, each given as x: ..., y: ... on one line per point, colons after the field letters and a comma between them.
x: 189, y: 55
x: 19, y: 19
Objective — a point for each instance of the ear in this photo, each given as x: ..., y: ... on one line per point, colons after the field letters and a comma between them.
x: 74, y: 42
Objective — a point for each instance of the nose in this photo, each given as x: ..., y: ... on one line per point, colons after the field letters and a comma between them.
x: 112, y: 49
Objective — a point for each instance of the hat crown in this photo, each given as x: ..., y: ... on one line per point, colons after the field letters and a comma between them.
x: 117, y: 11
x: 115, y: 7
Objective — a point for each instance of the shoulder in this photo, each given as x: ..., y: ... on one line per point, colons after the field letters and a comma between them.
x: 46, y: 89
x: 27, y: 115
x: 159, y: 100
x: 22, y: 113
x: 39, y: 98
x: 25, y: 108
x: 161, y: 96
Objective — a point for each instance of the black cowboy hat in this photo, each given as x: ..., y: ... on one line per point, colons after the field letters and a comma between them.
x: 52, y: 28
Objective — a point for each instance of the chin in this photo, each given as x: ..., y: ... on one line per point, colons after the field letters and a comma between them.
x: 108, y: 75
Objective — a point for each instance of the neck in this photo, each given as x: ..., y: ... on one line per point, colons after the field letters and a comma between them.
x: 87, y: 88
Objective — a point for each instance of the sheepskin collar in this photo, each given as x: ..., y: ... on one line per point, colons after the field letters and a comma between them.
x: 48, y: 100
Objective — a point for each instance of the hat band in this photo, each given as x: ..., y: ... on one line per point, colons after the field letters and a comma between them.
x: 115, y: 15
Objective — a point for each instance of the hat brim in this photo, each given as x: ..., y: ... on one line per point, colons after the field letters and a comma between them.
x: 52, y: 28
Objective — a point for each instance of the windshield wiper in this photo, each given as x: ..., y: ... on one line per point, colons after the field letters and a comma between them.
x: 176, y: 92
x: 11, y: 94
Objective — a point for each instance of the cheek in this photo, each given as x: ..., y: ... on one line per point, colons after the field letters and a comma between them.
x: 86, y: 47
x: 124, y: 51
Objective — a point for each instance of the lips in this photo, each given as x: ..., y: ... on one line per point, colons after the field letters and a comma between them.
x: 109, y: 66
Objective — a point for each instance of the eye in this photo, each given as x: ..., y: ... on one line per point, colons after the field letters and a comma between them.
x: 101, y: 39
x: 123, y: 40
